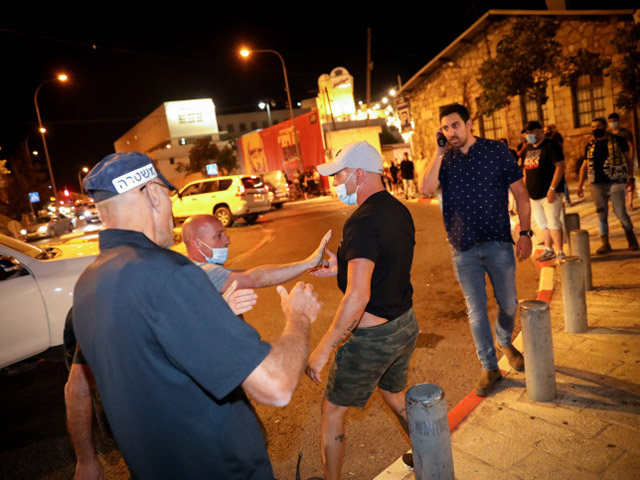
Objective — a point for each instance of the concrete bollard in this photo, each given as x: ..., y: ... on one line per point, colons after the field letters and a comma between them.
x: 580, y: 242
x: 571, y: 222
x: 537, y: 348
x: 573, y: 293
x: 429, y: 431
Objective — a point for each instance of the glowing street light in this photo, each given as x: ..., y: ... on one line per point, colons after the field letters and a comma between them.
x: 245, y: 52
x: 60, y: 78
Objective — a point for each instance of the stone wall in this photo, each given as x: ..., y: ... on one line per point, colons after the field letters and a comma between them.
x: 455, y: 81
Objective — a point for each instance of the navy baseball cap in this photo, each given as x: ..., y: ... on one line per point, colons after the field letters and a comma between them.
x: 120, y: 172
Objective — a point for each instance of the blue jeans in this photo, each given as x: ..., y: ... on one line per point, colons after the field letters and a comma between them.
x: 600, y: 194
x: 498, y: 261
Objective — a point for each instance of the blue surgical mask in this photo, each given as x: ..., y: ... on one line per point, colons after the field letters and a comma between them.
x: 531, y: 138
x: 218, y: 255
x: 341, y: 191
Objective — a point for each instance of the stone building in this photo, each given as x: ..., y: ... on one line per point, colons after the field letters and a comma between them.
x: 451, y: 77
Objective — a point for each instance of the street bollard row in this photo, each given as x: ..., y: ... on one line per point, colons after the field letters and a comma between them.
x: 537, y: 343
x: 429, y: 432
x: 426, y: 405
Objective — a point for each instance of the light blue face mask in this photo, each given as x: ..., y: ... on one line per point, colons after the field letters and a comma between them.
x: 341, y: 191
x: 531, y: 138
x: 218, y: 255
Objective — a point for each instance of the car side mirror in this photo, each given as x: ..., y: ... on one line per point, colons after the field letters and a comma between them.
x: 11, y: 268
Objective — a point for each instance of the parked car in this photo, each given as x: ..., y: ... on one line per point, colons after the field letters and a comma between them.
x: 88, y: 212
x: 228, y: 198
x: 47, y: 226
x: 279, y: 187
x: 36, y: 294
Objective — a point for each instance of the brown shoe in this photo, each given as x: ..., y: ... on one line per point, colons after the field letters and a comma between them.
x: 485, y: 383
x: 631, y: 240
x: 516, y: 360
x: 605, y: 247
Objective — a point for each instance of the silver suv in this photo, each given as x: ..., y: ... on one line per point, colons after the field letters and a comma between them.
x: 228, y: 198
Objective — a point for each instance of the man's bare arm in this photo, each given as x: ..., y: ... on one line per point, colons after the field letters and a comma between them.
x: 79, y: 407
x: 274, y: 380
x: 268, y: 275
x: 347, y: 317
x: 557, y: 178
x: 523, y: 245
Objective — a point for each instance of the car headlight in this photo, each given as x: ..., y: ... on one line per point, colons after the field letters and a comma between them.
x: 23, y: 232
x: 43, y: 229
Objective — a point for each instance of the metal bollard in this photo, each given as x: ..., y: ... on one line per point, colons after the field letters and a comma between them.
x: 429, y: 432
x: 573, y: 293
x: 571, y: 222
x: 580, y: 242
x: 537, y: 346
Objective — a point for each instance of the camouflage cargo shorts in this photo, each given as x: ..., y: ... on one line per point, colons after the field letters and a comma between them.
x: 375, y: 356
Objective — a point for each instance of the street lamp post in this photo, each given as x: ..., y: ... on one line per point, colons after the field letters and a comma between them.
x: 85, y: 170
x: 245, y: 53
x: 61, y: 78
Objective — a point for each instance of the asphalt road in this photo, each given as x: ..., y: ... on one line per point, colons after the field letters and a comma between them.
x: 33, y: 439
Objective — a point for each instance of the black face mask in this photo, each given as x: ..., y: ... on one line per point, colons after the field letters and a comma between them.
x: 598, y: 132
x: 548, y: 134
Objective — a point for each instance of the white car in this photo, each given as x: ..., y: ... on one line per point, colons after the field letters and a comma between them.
x: 228, y: 198
x: 36, y: 293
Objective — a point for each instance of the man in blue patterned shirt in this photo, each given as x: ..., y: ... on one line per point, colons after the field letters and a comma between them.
x: 475, y: 175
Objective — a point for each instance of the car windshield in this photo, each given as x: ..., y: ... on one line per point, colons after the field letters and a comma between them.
x: 41, y: 220
x: 24, y: 248
x: 252, y: 182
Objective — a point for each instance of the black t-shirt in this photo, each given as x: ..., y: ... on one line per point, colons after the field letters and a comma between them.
x: 598, y: 162
x: 406, y: 167
x: 381, y: 230
x: 540, y: 166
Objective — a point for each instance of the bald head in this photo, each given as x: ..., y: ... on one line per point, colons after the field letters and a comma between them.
x: 201, y: 233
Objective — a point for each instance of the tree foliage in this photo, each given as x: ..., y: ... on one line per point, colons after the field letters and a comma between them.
x: 25, y: 176
x: 582, y: 63
x: 526, y: 59
x: 204, y: 152
x: 627, y: 72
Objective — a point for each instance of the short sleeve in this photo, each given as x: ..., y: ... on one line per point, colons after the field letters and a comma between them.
x: 217, y: 274
x: 358, y: 240
x: 512, y: 172
x: 558, y: 154
x: 201, y: 336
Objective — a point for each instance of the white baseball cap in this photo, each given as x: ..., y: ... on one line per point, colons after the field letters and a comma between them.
x: 354, y: 155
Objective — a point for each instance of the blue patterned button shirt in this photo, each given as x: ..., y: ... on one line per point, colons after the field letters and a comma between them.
x: 475, y: 199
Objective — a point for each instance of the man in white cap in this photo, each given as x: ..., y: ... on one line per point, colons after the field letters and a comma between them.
x: 375, y: 318
x: 171, y: 361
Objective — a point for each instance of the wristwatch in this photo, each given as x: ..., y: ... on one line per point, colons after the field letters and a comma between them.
x: 552, y: 188
x: 528, y: 233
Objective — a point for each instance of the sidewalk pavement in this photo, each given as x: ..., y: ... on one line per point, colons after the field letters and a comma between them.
x: 591, y: 430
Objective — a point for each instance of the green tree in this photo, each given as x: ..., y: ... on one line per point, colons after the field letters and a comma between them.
x: 25, y: 176
x: 204, y: 152
x: 627, y: 72
x: 582, y: 63
x: 526, y: 59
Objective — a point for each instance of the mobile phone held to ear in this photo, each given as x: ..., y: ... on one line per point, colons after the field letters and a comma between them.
x: 441, y: 139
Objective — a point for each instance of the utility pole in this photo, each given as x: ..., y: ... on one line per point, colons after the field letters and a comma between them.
x: 369, y: 68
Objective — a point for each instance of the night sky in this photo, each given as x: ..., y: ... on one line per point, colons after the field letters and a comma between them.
x: 122, y: 64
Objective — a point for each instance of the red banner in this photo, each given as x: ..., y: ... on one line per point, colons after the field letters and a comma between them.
x: 274, y: 148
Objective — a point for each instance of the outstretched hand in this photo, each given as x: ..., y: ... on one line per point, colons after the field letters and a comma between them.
x: 301, y: 301
x: 329, y: 267
x: 315, y: 259
x: 240, y: 301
